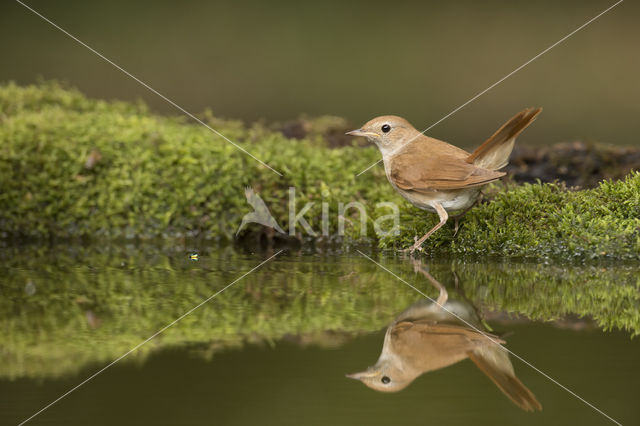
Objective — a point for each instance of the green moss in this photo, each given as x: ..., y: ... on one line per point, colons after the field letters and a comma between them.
x: 65, y: 307
x: 72, y: 167
x: 155, y: 176
x: 543, y: 221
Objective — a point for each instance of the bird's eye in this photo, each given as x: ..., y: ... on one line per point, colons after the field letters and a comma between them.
x: 385, y: 129
x: 385, y: 379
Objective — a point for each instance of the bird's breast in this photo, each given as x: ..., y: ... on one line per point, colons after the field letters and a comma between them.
x: 451, y: 200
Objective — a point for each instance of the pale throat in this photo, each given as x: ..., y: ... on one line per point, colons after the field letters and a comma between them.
x: 391, y: 149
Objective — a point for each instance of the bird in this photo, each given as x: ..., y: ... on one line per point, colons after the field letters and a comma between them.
x: 428, y: 336
x: 261, y: 213
x: 434, y: 175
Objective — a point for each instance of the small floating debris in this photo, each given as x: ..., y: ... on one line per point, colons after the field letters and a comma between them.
x: 30, y: 288
x: 92, y: 319
x: 193, y: 256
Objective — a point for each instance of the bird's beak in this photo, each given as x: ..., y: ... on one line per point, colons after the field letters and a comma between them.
x: 360, y: 132
x: 363, y: 374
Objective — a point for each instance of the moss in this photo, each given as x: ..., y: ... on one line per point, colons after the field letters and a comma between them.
x: 543, y: 221
x: 72, y: 167
x: 75, y: 167
x: 65, y: 307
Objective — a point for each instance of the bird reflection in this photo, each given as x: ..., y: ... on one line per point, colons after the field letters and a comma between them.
x: 428, y: 336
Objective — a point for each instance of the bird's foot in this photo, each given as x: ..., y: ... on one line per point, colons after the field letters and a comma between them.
x: 456, y: 226
x: 409, y: 250
x: 417, y: 245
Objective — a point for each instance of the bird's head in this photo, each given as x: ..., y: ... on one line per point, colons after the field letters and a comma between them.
x: 388, y: 132
x: 384, y: 377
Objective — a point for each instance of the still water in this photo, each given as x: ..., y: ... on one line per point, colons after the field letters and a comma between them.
x: 274, y: 347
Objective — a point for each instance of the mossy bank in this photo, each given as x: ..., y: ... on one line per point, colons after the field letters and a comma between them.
x: 72, y: 167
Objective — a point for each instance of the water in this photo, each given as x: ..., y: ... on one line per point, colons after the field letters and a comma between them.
x: 274, y: 347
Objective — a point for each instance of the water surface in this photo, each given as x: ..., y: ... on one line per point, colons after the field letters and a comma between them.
x: 274, y: 348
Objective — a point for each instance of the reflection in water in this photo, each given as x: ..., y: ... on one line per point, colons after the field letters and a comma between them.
x: 68, y: 310
x: 428, y: 336
x: 114, y: 296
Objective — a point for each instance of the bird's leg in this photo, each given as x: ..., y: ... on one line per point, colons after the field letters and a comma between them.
x: 443, y: 219
x: 444, y: 295
x: 456, y: 223
x: 456, y: 218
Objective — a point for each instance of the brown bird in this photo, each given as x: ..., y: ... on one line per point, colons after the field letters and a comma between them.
x: 428, y: 336
x: 434, y: 175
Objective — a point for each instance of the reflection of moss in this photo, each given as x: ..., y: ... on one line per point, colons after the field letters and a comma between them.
x: 75, y: 167
x: 611, y: 295
x: 64, y: 308
x: 46, y: 332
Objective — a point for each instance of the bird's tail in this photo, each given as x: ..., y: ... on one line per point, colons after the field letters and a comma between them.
x: 494, y: 153
x: 494, y: 361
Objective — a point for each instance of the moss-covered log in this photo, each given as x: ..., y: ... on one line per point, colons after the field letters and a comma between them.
x: 72, y: 167
x: 543, y: 221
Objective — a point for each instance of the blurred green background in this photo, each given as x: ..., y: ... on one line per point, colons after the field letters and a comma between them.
x: 277, y: 60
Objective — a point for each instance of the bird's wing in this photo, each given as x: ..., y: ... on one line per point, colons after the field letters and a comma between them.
x: 427, y: 346
x: 427, y: 164
x: 429, y: 327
